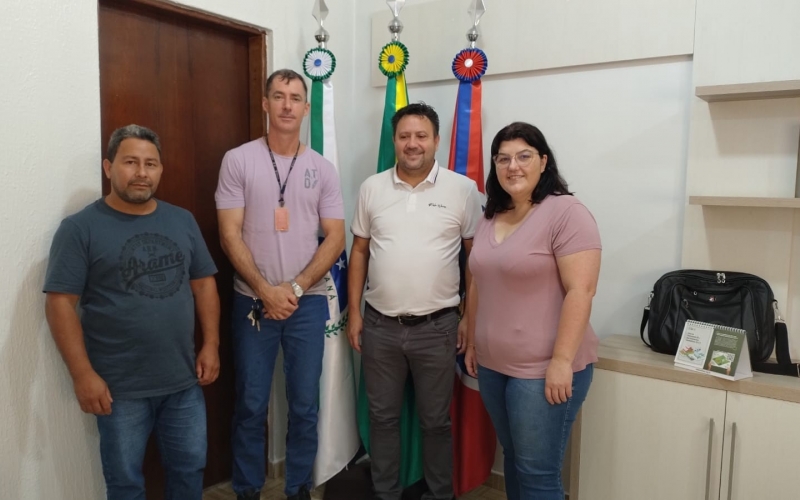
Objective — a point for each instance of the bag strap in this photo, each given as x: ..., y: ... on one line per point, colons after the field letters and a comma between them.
x: 784, y: 366
x: 645, y: 319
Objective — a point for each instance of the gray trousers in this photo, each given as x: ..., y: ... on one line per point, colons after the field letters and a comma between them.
x: 389, y: 350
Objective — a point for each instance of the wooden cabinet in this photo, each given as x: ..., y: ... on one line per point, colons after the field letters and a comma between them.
x: 650, y: 430
x: 764, y: 450
x: 646, y: 438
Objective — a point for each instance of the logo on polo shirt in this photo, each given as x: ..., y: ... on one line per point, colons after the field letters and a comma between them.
x: 153, y: 265
x: 437, y: 205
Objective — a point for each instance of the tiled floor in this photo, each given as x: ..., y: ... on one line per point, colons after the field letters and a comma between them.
x: 274, y: 491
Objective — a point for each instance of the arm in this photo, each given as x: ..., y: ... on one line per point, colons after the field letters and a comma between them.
x: 463, y: 324
x: 91, y: 390
x: 471, y: 359
x: 356, y: 278
x: 327, y: 253
x: 279, y: 301
x: 579, y: 273
x: 206, y: 303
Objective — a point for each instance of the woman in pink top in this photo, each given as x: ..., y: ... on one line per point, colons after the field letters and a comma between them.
x: 535, y: 261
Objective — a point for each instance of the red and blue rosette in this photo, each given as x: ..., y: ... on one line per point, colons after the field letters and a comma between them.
x: 466, y: 143
x: 470, y: 64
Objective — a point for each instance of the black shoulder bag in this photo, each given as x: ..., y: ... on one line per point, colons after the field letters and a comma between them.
x: 738, y: 300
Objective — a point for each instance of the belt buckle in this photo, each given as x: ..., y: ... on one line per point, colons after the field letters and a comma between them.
x: 408, y: 317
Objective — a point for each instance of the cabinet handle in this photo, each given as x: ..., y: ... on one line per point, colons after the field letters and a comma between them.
x: 733, y: 453
x: 708, y: 462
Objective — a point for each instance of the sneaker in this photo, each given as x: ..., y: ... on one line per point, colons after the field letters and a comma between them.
x: 302, y: 494
x: 252, y: 495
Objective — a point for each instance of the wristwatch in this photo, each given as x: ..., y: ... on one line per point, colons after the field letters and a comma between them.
x: 298, y: 290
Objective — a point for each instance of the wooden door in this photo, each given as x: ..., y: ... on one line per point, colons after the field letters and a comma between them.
x: 196, y: 81
x: 761, y: 461
x: 648, y: 438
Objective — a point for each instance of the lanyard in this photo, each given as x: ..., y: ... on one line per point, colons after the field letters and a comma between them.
x: 281, y: 187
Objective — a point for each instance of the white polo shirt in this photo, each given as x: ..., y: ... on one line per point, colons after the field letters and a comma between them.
x: 415, y: 237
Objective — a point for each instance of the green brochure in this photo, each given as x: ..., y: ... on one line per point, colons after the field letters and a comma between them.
x: 714, y: 349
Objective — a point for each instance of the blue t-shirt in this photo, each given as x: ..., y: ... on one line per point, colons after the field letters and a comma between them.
x: 132, y: 274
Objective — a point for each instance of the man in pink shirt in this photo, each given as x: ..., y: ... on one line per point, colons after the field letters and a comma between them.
x: 274, y: 195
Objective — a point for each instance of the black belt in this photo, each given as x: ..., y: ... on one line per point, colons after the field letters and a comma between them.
x: 410, y: 320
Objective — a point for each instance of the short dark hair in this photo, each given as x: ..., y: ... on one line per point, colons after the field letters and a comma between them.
x: 131, y: 131
x: 286, y: 75
x: 550, y: 183
x: 417, y: 109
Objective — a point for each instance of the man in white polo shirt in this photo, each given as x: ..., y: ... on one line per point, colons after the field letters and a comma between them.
x: 408, y: 229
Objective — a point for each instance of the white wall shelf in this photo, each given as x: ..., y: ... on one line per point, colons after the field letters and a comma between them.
x: 749, y: 91
x: 744, y: 201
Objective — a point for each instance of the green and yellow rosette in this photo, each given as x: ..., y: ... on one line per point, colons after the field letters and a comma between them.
x: 393, y: 59
x: 319, y: 64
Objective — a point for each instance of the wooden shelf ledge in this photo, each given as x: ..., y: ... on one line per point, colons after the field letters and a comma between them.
x: 749, y: 91
x: 744, y: 201
x: 627, y: 354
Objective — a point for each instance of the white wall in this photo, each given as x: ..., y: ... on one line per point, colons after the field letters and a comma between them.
x: 744, y: 41
x: 50, y: 125
x: 528, y: 35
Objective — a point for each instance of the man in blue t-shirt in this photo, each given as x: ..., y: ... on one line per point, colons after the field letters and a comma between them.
x: 140, y: 269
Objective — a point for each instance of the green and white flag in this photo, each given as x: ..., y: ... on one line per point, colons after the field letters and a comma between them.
x: 337, y: 428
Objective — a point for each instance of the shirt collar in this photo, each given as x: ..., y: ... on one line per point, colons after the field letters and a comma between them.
x: 430, y: 179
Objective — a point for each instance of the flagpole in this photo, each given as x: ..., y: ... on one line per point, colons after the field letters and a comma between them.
x: 474, y: 439
x: 466, y: 141
x: 337, y: 429
x: 392, y: 62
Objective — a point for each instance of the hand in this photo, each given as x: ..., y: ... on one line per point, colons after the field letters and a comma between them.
x: 461, y: 344
x: 355, y: 323
x: 279, y: 302
x: 471, y: 360
x: 558, y: 382
x: 207, y: 364
x: 93, y: 394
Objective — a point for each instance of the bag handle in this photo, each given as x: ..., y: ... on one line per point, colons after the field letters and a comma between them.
x: 645, y: 318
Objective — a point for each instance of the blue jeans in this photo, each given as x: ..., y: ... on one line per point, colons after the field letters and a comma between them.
x: 533, y: 432
x: 255, y: 348
x: 179, y: 421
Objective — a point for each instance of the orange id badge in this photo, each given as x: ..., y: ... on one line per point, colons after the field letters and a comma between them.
x: 282, y: 219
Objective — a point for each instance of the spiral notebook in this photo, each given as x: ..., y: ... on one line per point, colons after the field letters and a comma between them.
x: 717, y: 350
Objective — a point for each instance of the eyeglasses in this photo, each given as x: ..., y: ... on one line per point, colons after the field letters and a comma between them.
x: 523, y: 158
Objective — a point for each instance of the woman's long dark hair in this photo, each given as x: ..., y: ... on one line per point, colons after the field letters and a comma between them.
x: 550, y: 183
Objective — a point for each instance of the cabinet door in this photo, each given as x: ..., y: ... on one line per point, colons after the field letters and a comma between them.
x: 648, y: 438
x: 764, y: 449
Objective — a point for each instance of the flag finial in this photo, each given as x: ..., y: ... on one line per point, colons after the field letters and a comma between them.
x: 320, y: 13
x: 476, y: 11
x: 396, y: 26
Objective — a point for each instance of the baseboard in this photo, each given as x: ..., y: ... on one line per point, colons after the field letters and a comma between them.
x: 276, y: 470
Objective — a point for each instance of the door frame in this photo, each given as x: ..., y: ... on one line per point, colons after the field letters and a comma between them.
x: 257, y: 46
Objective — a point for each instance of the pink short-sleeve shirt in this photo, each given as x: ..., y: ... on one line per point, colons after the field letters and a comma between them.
x: 520, y: 294
x: 247, y: 180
